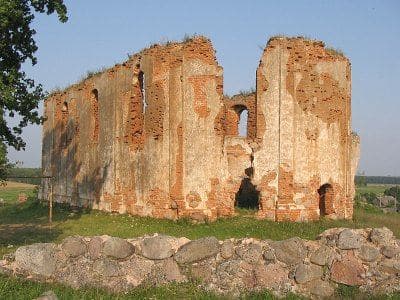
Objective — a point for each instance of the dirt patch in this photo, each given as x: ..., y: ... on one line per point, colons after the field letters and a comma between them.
x: 14, y: 184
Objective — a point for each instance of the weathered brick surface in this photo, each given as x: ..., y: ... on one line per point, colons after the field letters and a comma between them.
x: 155, y: 136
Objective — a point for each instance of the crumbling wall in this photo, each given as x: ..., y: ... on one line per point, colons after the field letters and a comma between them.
x: 139, y: 128
x: 308, y: 91
x: 79, y: 151
x: 154, y: 136
x: 204, y: 170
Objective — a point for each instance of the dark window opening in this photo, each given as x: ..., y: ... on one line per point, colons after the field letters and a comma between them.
x: 326, y: 198
x: 64, y: 108
x: 95, y: 94
x: 95, y: 111
x: 142, y: 85
x: 247, y: 196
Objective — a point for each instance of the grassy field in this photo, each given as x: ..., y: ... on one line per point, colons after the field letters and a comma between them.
x: 27, y: 223
x: 378, y: 189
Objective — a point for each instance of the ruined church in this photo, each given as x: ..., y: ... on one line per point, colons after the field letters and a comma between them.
x: 155, y: 136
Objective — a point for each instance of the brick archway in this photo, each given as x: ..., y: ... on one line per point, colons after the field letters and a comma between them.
x: 326, y: 199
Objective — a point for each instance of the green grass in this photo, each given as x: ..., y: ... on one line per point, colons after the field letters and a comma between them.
x: 345, y: 292
x: 10, y: 195
x: 27, y: 223
x: 17, y: 288
x: 378, y: 189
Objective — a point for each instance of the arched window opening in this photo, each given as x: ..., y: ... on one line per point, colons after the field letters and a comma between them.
x: 247, y: 196
x: 326, y: 199
x: 142, y: 85
x: 95, y: 111
x: 242, y: 124
x: 237, y: 120
x: 64, y: 121
x: 64, y: 108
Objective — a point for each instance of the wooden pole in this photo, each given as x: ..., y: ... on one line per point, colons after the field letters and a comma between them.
x: 51, y: 202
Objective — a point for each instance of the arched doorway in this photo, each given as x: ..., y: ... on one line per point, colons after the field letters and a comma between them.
x: 326, y: 199
x: 247, y: 196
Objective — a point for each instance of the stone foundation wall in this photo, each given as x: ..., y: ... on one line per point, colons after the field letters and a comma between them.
x: 368, y: 258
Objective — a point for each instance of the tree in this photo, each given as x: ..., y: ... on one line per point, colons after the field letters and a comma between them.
x: 360, y: 180
x: 5, y: 165
x: 19, y: 95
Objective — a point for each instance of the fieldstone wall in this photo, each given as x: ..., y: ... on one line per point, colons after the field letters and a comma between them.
x: 368, y: 258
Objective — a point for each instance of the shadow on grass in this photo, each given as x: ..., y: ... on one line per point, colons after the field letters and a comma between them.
x: 27, y: 223
x: 12, y: 235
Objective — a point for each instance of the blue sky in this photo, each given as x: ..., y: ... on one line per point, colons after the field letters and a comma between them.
x: 101, y: 33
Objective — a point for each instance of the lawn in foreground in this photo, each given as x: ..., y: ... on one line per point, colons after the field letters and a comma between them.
x: 19, y: 289
x: 26, y: 223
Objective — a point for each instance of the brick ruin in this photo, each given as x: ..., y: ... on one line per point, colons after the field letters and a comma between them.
x: 155, y: 136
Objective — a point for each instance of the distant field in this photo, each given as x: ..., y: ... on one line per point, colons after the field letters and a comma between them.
x: 9, y: 192
x: 374, y: 188
x: 16, y: 185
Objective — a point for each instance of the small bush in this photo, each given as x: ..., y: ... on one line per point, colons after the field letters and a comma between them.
x: 370, y: 197
x: 335, y: 51
x: 248, y: 92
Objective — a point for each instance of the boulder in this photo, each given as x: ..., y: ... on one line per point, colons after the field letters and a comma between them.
x: 271, y: 276
x: 157, y: 247
x: 106, y: 267
x: 165, y: 271
x: 305, y: 273
x: 381, y: 236
x: 197, y: 250
x: 390, y: 251
x: 368, y: 253
x: 252, y: 253
x: 391, y: 266
x: 95, y: 247
x: 348, y: 239
x: 227, y: 249
x: 74, y: 246
x: 37, y: 258
x: 348, y: 271
x: 322, y: 256
x: 269, y: 255
x: 291, y: 251
x: 117, y: 248
x: 320, y: 288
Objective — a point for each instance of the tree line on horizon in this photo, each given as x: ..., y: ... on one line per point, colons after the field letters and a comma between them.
x: 363, y: 180
x: 360, y: 180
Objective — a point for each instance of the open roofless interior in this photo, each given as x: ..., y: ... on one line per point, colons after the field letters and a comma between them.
x: 155, y: 136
